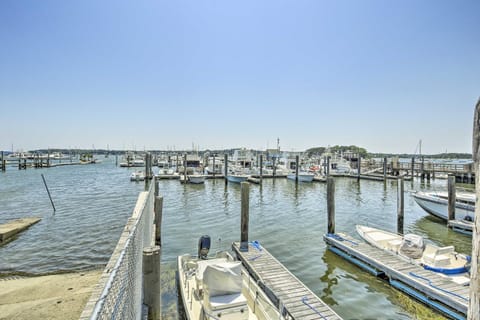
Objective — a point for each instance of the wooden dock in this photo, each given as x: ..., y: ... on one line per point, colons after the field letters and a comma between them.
x: 11, y: 228
x: 438, y: 292
x: 281, y: 286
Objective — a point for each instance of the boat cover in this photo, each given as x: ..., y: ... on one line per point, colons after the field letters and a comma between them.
x: 223, y: 278
x: 412, y: 246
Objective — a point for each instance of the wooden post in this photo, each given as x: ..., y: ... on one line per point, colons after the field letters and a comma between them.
x: 328, y: 166
x: 261, y: 168
x: 359, y: 167
x: 2, y: 163
x: 413, y: 167
x: 385, y: 168
x: 176, y: 167
x: 452, y: 197
x: 116, y: 160
x: 245, y: 189
x: 225, y: 167
x: 297, y: 162
x: 213, y: 166
x: 158, y: 208
x: 400, y: 205
x: 157, y: 188
x: 185, y: 169
x: 331, y: 204
x: 474, y: 301
x: 151, y: 281
x: 146, y: 167
x: 274, y: 166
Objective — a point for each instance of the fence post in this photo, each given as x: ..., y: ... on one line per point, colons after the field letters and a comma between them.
x: 151, y: 281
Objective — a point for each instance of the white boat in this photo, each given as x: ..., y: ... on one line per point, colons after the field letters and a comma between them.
x: 196, y: 178
x: 303, y: 176
x: 237, y: 177
x: 220, y: 288
x: 436, y: 203
x: 412, y: 248
x: 137, y: 176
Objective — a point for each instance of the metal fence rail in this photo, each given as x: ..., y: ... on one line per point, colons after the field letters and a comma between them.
x: 118, y: 295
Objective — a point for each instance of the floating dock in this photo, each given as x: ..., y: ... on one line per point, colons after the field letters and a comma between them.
x: 465, y: 227
x: 11, y: 228
x: 437, y: 291
x: 281, y: 286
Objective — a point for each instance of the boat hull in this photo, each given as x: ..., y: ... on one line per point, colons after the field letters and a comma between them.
x: 237, y: 178
x: 196, y: 179
x: 439, y: 207
x: 302, y: 177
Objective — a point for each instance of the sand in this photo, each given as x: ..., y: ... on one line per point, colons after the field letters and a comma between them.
x: 61, y: 296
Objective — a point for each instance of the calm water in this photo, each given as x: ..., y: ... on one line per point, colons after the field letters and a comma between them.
x: 94, y: 201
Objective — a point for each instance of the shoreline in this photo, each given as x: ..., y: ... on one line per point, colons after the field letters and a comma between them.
x: 54, y: 296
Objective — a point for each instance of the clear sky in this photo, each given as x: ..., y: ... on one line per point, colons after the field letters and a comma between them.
x: 221, y: 74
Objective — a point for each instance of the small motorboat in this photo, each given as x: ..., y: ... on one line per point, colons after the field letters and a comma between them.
x: 303, y: 176
x: 436, y: 203
x: 220, y: 288
x: 412, y: 248
x: 137, y: 176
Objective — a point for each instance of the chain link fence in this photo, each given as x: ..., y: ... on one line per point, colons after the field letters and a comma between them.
x: 118, y: 295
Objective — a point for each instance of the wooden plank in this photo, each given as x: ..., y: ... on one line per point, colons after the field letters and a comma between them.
x: 285, y: 287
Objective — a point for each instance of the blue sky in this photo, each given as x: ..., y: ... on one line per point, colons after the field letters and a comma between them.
x: 221, y: 74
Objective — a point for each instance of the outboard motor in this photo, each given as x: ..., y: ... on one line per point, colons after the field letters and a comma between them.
x: 203, y: 247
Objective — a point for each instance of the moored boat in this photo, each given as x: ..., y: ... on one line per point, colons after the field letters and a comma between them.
x: 412, y: 248
x: 436, y: 203
x: 220, y: 288
x: 196, y: 178
x: 303, y: 176
x: 137, y: 176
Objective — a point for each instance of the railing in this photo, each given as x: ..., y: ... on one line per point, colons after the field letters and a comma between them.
x: 118, y: 295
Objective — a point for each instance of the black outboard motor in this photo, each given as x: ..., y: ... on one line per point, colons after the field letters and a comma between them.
x: 203, y: 247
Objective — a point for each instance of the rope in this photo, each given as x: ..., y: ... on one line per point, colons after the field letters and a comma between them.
x: 438, y: 288
x: 340, y: 238
x: 304, y: 300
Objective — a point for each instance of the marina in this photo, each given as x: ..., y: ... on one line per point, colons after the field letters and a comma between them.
x: 213, y: 208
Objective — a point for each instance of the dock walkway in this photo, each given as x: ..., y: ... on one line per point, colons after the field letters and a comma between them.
x: 433, y: 289
x: 281, y: 286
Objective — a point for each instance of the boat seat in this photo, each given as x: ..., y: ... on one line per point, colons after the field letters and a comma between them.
x: 227, y: 307
x: 394, y: 245
x: 437, y: 257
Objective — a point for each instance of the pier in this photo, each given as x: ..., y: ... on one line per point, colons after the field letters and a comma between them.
x: 281, y: 286
x: 438, y: 292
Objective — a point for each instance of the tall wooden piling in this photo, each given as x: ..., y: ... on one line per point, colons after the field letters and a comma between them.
x: 413, y: 167
x: 359, y: 162
x: 158, y: 209
x: 474, y: 301
x: 328, y: 166
x: 225, y: 167
x: 331, y: 204
x: 400, y: 205
x: 385, y: 168
x: 151, y: 281
x: 261, y: 168
x: 185, y: 168
x: 245, y: 190
x: 274, y: 166
x: 297, y: 163
x: 452, y: 197
x: 213, y: 166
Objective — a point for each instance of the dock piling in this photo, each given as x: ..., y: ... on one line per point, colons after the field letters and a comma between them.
x: 385, y: 168
x: 400, y: 205
x: 151, y: 281
x: 225, y: 159
x: 297, y: 162
x: 474, y: 293
x: 158, y: 208
x: 245, y: 190
x: 359, y: 167
x: 261, y: 168
x: 331, y: 204
x: 451, y: 197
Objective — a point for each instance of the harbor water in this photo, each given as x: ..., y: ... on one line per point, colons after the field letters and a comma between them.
x: 93, y: 203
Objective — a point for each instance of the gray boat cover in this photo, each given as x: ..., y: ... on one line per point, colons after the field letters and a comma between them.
x: 223, y: 278
x: 412, y: 246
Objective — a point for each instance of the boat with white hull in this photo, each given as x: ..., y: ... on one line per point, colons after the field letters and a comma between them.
x: 302, y: 176
x: 220, y: 288
x: 411, y: 247
x: 237, y: 177
x: 436, y: 203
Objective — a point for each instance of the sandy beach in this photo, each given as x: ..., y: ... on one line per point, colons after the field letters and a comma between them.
x: 61, y: 296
